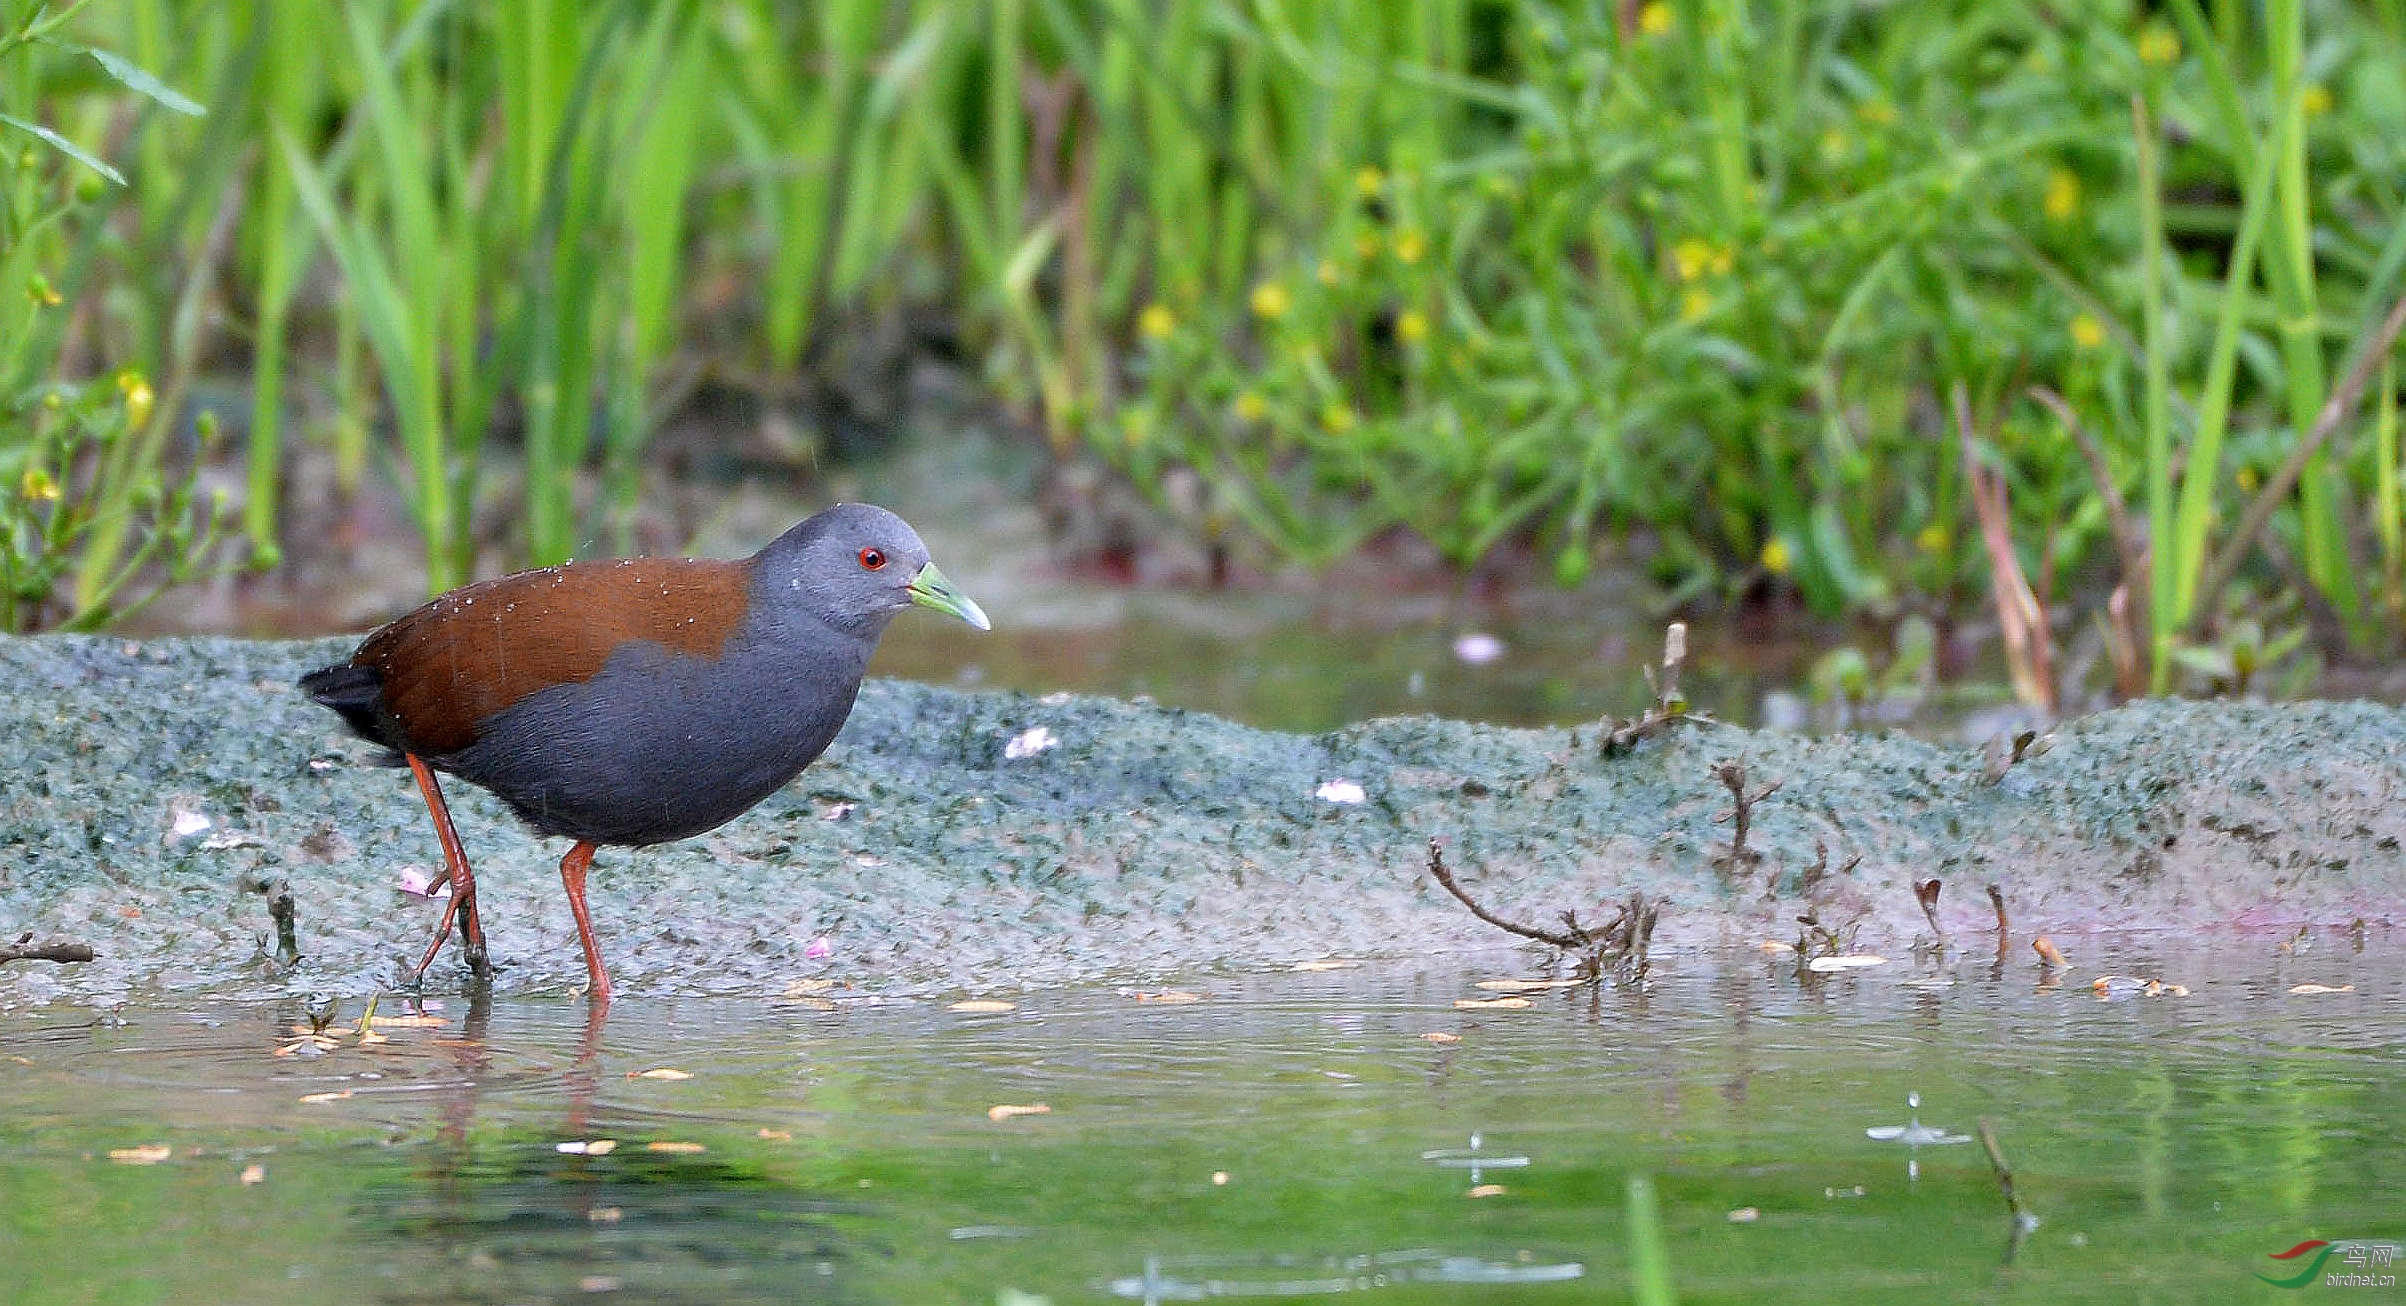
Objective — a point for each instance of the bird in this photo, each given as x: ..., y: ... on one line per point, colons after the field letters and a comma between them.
x: 635, y: 701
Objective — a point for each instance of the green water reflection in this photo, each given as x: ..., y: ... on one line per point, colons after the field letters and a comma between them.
x: 1290, y: 1135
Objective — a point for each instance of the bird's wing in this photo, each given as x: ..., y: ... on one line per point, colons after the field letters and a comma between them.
x: 457, y: 661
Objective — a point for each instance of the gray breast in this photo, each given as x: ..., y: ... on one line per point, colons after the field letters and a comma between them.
x: 660, y: 747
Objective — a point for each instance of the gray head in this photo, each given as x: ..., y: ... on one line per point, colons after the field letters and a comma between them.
x: 853, y: 567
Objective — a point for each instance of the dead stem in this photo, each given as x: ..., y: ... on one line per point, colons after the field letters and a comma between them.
x: 1670, y: 707
x: 280, y: 909
x: 1740, y: 815
x: 1579, y: 938
x: 1926, y: 893
x: 2023, y: 1220
x: 2021, y: 618
x: 1996, y: 899
x: 59, y: 950
x: 1619, y: 948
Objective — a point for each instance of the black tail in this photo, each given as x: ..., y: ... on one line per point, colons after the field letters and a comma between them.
x: 357, y: 693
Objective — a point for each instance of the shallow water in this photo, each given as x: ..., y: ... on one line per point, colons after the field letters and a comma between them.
x: 1285, y: 1136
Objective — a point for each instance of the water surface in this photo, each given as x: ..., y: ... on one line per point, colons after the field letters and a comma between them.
x: 1288, y: 1137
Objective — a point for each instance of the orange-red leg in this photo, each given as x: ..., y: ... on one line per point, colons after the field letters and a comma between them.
x: 455, y: 869
x: 572, y: 874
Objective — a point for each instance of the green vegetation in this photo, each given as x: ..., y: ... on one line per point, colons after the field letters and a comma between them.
x: 98, y: 512
x: 1696, y: 277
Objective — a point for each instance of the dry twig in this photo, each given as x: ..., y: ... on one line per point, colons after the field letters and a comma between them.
x: 1618, y: 948
x: 59, y: 950
x: 1740, y: 816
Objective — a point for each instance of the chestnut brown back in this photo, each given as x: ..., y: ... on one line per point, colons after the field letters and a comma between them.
x: 453, y: 663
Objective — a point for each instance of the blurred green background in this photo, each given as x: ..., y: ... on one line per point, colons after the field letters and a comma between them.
x: 1761, y: 301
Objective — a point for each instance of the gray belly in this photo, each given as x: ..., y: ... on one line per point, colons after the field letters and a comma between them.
x: 659, y: 747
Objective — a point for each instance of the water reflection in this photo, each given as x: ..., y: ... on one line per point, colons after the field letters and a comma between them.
x: 1206, y: 1149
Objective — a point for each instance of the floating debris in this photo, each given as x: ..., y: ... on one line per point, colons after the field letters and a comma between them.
x: 675, y: 1148
x: 1745, y: 1215
x: 2123, y: 986
x: 1526, y: 985
x: 982, y: 1006
x: 661, y: 1072
x: 2048, y: 953
x: 1440, y: 1036
x: 316, y: 1099
x: 146, y: 1154
x: 1491, y: 1004
x: 2304, y: 990
x: 252, y: 1175
x: 1329, y: 964
x: 1006, y: 1110
x: 1850, y: 961
x: 587, y: 1147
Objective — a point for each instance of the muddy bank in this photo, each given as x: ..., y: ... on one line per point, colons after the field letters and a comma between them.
x: 147, y: 787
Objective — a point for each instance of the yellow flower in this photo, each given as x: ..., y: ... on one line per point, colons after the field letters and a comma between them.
x: 1835, y: 146
x: 1337, y: 419
x: 138, y: 398
x: 2247, y: 480
x: 1330, y: 273
x: 1724, y: 259
x: 1249, y: 407
x: 1157, y: 321
x: 2063, y: 194
x: 1654, y: 19
x: 36, y: 486
x: 1135, y: 424
x: 2087, y: 332
x: 1411, y: 327
x: 1879, y: 113
x: 1366, y: 245
x: 1776, y: 558
x: 2158, y: 45
x: 1691, y: 257
x: 1271, y: 301
x: 2315, y: 100
x: 1369, y: 181
x: 1694, y: 305
x: 1932, y: 539
x: 41, y: 291
x: 1410, y: 245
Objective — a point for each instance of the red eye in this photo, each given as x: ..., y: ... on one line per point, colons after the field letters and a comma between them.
x: 872, y: 559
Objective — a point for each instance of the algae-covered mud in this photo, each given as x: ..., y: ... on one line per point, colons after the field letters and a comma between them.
x: 955, y: 839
